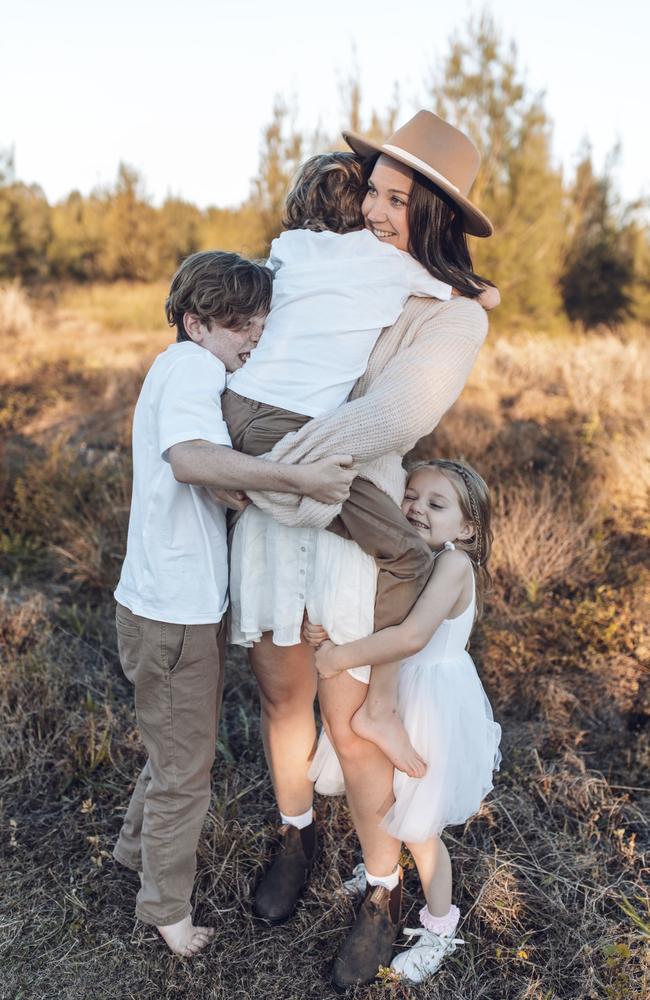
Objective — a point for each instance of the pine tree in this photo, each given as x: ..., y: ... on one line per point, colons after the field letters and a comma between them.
x: 599, y: 267
x: 129, y: 230
x: 479, y: 89
x: 283, y: 148
x: 178, y: 225
x: 76, y: 244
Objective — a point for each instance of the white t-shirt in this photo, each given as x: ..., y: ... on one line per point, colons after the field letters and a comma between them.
x: 332, y: 296
x: 176, y: 565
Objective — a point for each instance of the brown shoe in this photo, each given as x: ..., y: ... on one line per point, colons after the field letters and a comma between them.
x: 370, y: 942
x: 284, y: 881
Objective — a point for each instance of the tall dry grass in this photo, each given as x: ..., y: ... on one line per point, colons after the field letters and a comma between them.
x: 550, y: 873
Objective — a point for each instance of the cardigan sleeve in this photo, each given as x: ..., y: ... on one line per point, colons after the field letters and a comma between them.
x: 404, y: 402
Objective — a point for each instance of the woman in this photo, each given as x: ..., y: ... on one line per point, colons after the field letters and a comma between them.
x: 417, y: 200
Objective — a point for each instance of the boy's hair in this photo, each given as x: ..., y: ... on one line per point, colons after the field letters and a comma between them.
x: 476, y: 508
x: 218, y: 287
x: 326, y: 194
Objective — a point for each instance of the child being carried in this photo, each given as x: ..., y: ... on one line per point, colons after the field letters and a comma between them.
x: 336, y: 287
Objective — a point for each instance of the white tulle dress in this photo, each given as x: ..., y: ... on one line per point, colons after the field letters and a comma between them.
x: 277, y: 571
x: 450, y: 723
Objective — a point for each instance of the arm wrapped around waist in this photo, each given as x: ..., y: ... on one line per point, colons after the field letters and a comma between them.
x: 401, y: 404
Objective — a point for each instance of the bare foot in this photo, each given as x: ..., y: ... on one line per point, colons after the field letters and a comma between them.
x: 185, y: 939
x: 388, y: 733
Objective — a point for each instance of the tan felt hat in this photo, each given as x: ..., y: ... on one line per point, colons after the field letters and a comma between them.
x: 442, y: 153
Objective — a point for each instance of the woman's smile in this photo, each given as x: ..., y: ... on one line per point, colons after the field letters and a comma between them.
x: 381, y: 234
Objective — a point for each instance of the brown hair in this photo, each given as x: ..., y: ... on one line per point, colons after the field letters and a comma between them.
x: 218, y: 287
x: 326, y: 194
x: 476, y: 508
x: 437, y: 237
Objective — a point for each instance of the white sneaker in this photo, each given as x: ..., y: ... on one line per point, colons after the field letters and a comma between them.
x: 356, y: 886
x: 425, y: 957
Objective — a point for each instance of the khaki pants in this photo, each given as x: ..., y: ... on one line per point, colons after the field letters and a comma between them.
x: 368, y: 516
x: 177, y: 672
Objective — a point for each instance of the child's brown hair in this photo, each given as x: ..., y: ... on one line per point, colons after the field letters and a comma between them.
x: 327, y: 193
x: 218, y: 287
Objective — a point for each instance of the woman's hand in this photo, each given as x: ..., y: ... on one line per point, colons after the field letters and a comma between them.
x: 233, y: 499
x: 314, y: 635
x: 326, y: 663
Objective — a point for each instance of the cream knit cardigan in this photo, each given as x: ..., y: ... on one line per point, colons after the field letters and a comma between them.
x: 415, y: 373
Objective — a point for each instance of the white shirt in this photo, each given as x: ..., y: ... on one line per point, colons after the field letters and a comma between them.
x: 176, y: 565
x: 332, y: 296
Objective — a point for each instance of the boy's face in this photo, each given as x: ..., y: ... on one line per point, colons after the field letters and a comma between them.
x: 232, y: 347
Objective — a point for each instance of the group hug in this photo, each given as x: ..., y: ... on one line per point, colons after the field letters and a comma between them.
x: 271, y: 509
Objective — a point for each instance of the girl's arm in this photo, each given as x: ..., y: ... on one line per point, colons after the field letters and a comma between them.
x: 398, y: 641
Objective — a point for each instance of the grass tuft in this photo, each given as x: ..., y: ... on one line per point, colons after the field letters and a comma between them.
x: 549, y: 876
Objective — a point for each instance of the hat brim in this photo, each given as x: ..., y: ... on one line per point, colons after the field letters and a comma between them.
x: 476, y: 223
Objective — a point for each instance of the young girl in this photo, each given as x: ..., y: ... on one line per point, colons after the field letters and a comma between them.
x: 441, y: 700
x: 336, y: 286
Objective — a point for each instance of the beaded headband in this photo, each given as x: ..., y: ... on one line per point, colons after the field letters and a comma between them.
x: 474, y: 508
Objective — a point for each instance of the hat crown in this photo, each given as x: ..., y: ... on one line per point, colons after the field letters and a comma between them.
x: 440, y: 146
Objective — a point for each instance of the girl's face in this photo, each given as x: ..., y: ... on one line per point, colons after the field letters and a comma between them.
x: 432, y: 506
x: 385, y: 207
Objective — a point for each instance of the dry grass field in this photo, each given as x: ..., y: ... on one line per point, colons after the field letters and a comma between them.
x: 549, y: 875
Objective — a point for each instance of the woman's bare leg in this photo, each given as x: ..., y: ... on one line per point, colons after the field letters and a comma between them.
x: 378, y: 720
x: 368, y: 773
x: 434, y: 868
x: 287, y: 679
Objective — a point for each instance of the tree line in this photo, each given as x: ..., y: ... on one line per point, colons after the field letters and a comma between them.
x: 563, y: 247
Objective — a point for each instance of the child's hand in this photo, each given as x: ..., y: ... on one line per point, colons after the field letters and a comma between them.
x: 233, y: 499
x: 314, y: 635
x: 325, y: 657
x: 489, y: 298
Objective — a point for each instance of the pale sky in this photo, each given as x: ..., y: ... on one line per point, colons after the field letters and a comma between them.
x: 182, y: 90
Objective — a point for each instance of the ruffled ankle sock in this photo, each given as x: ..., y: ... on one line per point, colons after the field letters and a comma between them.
x: 440, y: 925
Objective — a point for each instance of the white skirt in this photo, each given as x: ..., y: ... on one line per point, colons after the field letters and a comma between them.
x: 449, y: 721
x: 276, y: 573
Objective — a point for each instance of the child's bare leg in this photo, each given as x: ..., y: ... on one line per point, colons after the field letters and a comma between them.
x: 434, y: 868
x: 378, y: 721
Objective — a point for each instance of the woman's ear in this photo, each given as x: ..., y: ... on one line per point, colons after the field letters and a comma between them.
x: 193, y: 327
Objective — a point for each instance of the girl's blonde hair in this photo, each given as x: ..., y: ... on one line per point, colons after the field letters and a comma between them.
x: 476, y: 508
x: 326, y: 194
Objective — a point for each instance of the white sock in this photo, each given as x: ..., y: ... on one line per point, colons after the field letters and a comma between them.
x: 440, y: 925
x: 300, y: 822
x: 388, y: 881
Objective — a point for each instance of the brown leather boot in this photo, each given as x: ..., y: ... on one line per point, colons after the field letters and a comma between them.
x: 370, y: 941
x: 285, y: 879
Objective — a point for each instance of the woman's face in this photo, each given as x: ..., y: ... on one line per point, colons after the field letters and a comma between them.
x: 432, y: 507
x: 385, y: 207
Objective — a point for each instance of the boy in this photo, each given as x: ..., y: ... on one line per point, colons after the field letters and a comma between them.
x: 172, y: 593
